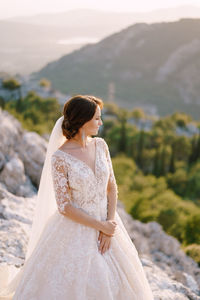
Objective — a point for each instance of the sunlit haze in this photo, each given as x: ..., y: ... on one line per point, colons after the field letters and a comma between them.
x: 13, y: 8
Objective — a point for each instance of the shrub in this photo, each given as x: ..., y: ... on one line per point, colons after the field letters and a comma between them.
x: 193, y: 251
x: 192, y: 229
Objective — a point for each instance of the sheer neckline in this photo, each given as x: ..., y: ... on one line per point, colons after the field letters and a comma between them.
x: 83, y: 162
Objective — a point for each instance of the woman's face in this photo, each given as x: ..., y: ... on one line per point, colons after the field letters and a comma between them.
x: 91, y: 127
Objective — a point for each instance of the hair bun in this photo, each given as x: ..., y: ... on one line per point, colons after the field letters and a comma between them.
x: 67, y: 123
x: 68, y: 129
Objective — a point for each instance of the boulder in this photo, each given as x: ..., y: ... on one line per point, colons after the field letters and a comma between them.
x: 32, y: 150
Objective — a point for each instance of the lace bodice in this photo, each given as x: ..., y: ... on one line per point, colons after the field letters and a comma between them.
x: 75, y: 182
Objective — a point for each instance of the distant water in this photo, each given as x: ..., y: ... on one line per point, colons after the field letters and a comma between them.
x: 78, y: 40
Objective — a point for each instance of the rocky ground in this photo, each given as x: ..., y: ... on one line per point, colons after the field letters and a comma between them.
x: 172, y: 274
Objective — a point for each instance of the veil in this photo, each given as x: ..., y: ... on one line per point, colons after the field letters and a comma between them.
x: 45, y: 207
x: 46, y: 202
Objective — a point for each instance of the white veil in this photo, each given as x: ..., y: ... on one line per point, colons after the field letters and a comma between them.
x: 46, y: 202
x: 45, y: 207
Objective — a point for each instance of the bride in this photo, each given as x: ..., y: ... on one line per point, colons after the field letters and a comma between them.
x: 79, y: 248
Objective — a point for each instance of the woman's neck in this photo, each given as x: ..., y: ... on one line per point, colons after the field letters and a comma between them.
x: 81, y: 142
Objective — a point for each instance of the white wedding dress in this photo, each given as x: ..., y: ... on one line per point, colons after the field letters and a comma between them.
x: 66, y: 263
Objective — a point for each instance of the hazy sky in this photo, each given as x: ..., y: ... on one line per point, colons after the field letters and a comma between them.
x: 10, y: 8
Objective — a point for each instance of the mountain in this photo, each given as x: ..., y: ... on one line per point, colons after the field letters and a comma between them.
x: 156, y: 66
x: 108, y: 19
x: 29, y: 43
x: 26, y: 47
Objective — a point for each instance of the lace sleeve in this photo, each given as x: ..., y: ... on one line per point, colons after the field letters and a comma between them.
x: 60, y: 182
x: 112, y: 185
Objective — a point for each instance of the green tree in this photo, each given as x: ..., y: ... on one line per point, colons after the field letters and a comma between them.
x: 45, y: 82
x: 182, y: 148
x: 193, y: 251
x: 181, y: 119
x: 140, y: 149
x: 165, y: 124
x: 122, y: 118
x: 156, y: 163
x: 163, y: 162
x: 178, y: 181
x: 197, y: 148
x: 172, y: 160
x: 193, y: 183
x: 137, y: 114
x: 192, y: 229
x: 167, y: 217
x: 36, y: 113
x: 12, y: 84
x: 191, y: 157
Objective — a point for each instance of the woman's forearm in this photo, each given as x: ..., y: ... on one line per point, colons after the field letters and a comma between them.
x: 112, y: 203
x: 79, y: 216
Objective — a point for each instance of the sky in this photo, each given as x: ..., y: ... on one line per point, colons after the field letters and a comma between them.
x: 12, y: 8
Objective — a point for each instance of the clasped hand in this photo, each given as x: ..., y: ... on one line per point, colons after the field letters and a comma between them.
x: 104, y: 242
x: 105, y: 238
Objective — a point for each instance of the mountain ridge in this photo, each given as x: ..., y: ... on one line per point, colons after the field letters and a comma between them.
x: 143, y: 64
x: 153, y: 15
x: 47, y: 37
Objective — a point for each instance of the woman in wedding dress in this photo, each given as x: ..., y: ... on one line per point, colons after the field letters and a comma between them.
x: 79, y: 248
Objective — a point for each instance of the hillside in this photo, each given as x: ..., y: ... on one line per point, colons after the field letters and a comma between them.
x: 29, y: 43
x: 27, y: 47
x: 151, y: 65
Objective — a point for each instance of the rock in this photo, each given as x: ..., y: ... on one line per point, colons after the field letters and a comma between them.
x: 22, y: 156
x: 16, y: 215
x: 2, y: 161
x: 10, y: 133
x: 32, y: 150
x: 27, y: 189
x: 163, y: 287
x: 14, y: 178
x: 164, y: 251
x: 13, y: 174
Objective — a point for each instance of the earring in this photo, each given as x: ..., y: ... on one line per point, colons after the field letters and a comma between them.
x: 83, y: 135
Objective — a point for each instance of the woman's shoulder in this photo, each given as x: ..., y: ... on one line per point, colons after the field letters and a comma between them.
x: 102, y: 141
x: 57, y: 155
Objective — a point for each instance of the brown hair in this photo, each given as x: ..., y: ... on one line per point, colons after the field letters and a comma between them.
x: 77, y: 111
